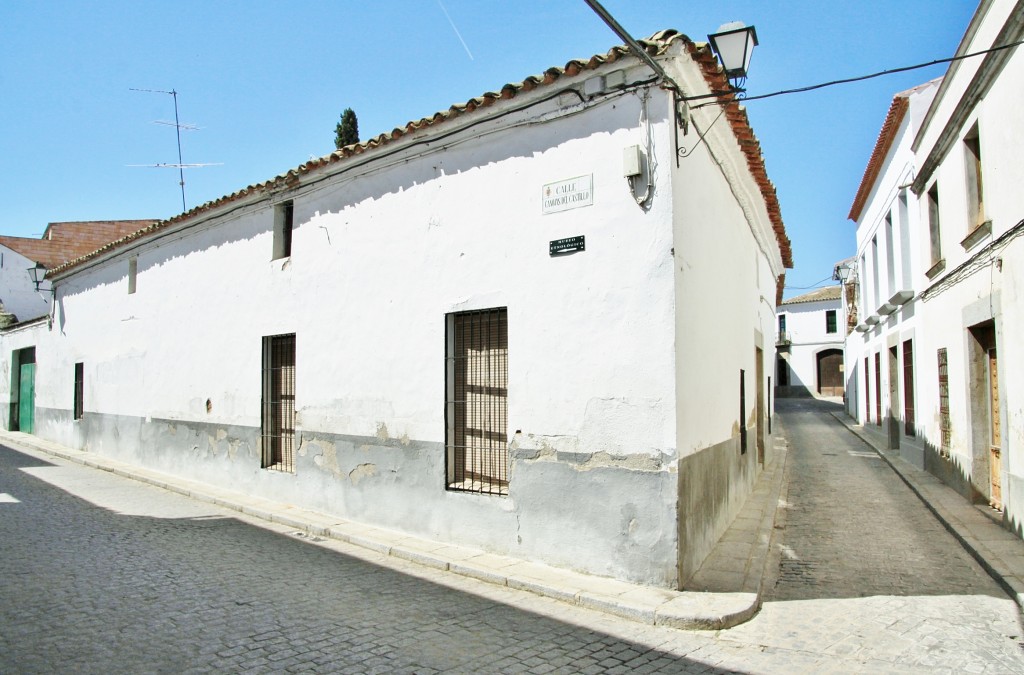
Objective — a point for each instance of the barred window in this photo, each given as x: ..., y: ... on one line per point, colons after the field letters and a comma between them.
x: 945, y: 428
x: 79, y: 405
x: 278, y: 432
x: 476, y: 405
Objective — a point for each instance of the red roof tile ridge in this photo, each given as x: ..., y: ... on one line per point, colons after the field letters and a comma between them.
x: 886, y: 136
x: 655, y: 45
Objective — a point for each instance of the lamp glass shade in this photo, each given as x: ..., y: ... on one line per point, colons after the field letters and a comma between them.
x: 734, y: 43
x: 37, y: 273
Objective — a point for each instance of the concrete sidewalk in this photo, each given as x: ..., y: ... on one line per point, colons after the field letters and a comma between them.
x: 727, y: 588
x: 995, y: 548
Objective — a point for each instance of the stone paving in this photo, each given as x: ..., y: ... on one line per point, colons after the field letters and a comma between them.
x: 854, y: 529
x: 104, y: 574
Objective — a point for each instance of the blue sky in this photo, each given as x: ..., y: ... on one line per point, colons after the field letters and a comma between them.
x: 266, y: 82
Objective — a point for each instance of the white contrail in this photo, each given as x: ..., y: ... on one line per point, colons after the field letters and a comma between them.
x: 457, y: 33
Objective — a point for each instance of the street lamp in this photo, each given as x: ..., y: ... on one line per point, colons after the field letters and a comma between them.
x: 842, y: 272
x: 37, y: 273
x: 734, y: 43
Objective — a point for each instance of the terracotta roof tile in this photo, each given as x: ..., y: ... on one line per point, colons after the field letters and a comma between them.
x: 893, y: 119
x: 817, y: 295
x: 66, y: 241
x: 654, y: 45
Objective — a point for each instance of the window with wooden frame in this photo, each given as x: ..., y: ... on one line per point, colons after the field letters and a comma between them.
x: 831, y: 325
x: 278, y: 424
x: 908, y: 388
x: 934, y: 230
x: 133, y: 273
x: 284, y: 215
x: 79, y: 404
x: 476, y: 401
x: 972, y: 166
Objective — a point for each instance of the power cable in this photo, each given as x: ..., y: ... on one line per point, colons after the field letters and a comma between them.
x: 860, y: 78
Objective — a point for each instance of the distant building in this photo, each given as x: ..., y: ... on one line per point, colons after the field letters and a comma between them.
x: 488, y: 327
x: 809, y: 344
x: 936, y: 360
x: 60, y: 243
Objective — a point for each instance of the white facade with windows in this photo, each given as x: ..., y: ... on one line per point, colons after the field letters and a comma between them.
x: 809, y: 344
x: 390, y: 334
x: 935, y: 358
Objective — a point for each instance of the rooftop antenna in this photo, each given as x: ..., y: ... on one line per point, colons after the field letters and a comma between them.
x: 178, y: 126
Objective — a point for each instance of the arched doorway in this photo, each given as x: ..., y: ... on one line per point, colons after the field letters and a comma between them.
x: 830, y: 372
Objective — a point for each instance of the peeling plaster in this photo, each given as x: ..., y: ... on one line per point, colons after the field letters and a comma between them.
x: 582, y: 461
x: 382, y: 431
x: 362, y: 471
x: 326, y: 458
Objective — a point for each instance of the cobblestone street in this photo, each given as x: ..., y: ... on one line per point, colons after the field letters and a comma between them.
x: 867, y: 571
x: 104, y: 574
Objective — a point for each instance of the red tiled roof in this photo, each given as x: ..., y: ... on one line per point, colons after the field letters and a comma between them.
x: 63, y: 242
x: 817, y: 295
x: 749, y: 145
x: 655, y: 45
x: 897, y: 111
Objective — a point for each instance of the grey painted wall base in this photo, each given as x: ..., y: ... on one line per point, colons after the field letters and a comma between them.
x: 713, y: 485
x: 583, y: 511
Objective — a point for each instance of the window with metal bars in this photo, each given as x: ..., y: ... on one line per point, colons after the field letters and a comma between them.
x: 945, y: 430
x: 476, y: 401
x: 79, y: 408
x: 278, y: 431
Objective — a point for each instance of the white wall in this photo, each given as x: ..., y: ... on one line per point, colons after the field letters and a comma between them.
x: 17, y: 292
x: 379, y: 257
x: 807, y: 337
x: 620, y: 362
x: 979, y: 282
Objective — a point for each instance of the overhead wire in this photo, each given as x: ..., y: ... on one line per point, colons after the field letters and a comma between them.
x: 861, y: 78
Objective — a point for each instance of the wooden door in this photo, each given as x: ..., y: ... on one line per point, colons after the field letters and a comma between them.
x: 995, y: 429
x: 830, y: 373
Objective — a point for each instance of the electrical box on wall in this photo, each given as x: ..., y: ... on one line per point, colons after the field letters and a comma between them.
x: 632, y: 161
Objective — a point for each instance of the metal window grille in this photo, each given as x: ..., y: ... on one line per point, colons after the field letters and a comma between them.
x: 476, y: 406
x: 945, y: 430
x: 908, y: 387
x: 279, y: 403
x: 79, y: 409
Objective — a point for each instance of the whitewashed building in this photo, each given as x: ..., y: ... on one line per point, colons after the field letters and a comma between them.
x: 887, y: 276
x: 60, y: 243
x: 937, y: 356
x: 809, y: 344
x: 489, y: 327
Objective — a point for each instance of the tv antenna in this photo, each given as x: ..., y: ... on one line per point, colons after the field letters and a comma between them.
x: 178, y: 126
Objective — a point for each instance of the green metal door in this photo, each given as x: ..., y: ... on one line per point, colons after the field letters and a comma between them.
x: 27, y: 398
